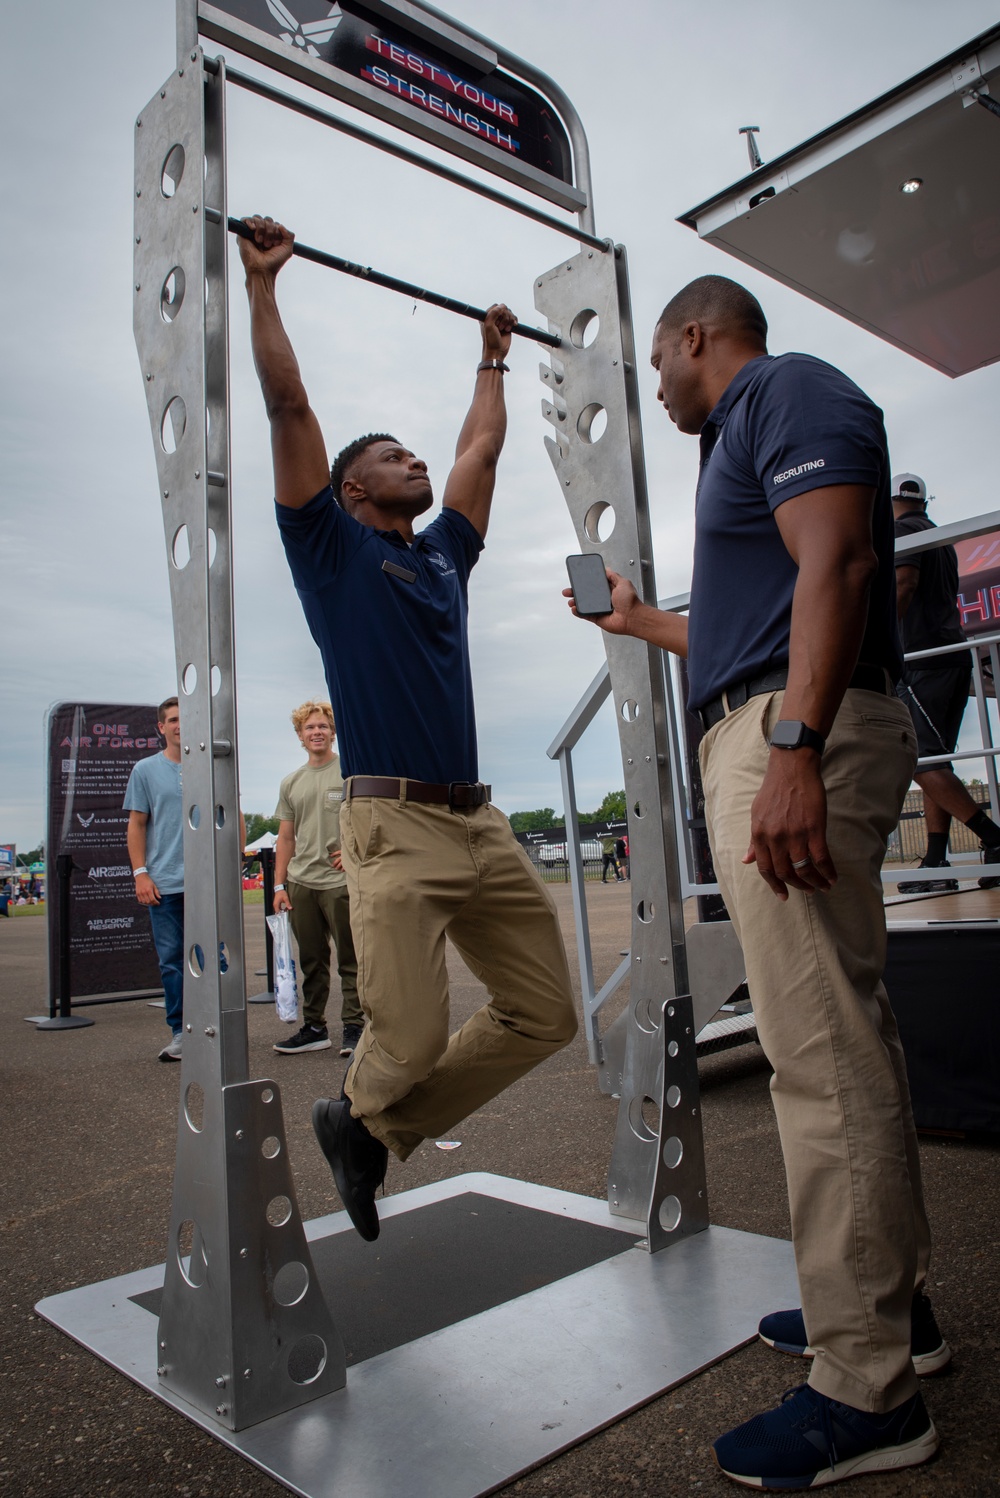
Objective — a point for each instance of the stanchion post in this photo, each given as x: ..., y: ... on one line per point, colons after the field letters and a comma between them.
x: 65, y: 1019
x: 266, y: 856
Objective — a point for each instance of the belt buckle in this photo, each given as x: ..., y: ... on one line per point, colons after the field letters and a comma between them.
x: 473, y: 795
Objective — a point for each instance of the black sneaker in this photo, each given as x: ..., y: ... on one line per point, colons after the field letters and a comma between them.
x: 306, y: 1039
x: 930, y: 886
x: 357, y: 1160
x: 352, y: 1034
x: 989, y: 855
x: 785, y: 1331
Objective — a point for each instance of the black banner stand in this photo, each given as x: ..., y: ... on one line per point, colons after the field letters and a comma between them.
x: 64, y: 1020
x: 266, y: 856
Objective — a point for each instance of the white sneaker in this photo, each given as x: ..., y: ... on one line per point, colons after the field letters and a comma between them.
x: 172, y: 1052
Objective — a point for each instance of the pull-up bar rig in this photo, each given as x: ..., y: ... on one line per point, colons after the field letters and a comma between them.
x: 391, y: 283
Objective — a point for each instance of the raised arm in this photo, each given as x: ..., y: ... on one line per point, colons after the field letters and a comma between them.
x: 298, y: 451
x: 480, y: 442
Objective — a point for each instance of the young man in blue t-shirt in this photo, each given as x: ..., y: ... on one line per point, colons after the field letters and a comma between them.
x: 424, y: 852
x: 156, y: 851
x: 793, y: 656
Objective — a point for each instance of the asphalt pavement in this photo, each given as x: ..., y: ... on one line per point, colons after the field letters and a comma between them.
x: 89, y: 1121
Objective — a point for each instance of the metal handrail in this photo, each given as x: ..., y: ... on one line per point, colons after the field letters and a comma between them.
x: 599, y: 689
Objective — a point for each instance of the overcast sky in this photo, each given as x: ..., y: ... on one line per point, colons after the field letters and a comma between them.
x: 662, y: 88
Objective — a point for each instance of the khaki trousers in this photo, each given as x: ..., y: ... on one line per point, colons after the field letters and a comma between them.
x: 317, y: 917
x: 417, y: 872
x: 814, y: 969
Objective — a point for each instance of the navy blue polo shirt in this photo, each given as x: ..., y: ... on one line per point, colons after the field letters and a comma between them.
x: 395, y: 651
x: 783, y: 426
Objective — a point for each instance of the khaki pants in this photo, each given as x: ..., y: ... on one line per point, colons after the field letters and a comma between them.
x: 416, y: 872
x: 814, y: 969
x: 317, y: 917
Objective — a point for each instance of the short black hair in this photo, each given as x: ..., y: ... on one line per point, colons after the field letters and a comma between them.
x: 716, y: 299
x: 161, y: 711
x: 348, y: 454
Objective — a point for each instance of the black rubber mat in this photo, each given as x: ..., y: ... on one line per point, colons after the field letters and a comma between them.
x: 441, y: 1264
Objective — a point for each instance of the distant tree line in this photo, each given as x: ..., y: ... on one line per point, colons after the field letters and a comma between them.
x: 611, y: 809
x: 258, y: 824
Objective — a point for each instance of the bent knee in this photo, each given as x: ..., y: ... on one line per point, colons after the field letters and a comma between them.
x: 565, y: 1023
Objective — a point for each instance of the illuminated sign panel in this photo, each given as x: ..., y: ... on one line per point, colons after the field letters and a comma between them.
x: 979, y: 584
x: 416, y: 83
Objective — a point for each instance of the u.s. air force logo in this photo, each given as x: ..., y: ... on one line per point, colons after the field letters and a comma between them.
x: 305, y: 34
x: 440, y: 562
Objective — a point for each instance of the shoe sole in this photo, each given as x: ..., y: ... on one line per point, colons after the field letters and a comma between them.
x: 164, y: 1057
x: 326, y: 1139
x: 927, y: 1363
x: 924, y: 1363
x: 293, y: 1050
x: 347, y: 1050
x: 884, y: 1459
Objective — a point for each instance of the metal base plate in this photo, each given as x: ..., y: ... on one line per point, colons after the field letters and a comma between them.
x: 467, y: 1409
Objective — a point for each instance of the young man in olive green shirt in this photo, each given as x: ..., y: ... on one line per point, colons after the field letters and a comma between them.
x: 311, y: 885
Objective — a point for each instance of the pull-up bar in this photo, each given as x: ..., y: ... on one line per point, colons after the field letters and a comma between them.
x: 406, y: 288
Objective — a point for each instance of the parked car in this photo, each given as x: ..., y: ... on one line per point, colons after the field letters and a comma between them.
x: 555, y: 853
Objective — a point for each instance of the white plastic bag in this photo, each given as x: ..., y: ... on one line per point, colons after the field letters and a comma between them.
x: 286, y: 988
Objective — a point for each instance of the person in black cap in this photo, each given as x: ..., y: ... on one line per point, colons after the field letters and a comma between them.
x: 936, y: 690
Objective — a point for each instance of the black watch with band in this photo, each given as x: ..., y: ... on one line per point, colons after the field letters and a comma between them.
x: 789, y: 733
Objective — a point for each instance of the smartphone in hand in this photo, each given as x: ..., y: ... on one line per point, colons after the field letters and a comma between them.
x: 589, y: 580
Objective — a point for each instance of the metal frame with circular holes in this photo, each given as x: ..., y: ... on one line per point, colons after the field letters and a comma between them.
x: 244, y: 1332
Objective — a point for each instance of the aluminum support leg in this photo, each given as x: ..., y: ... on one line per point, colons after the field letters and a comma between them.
x: 244, y: 1332
x: 591, y: 382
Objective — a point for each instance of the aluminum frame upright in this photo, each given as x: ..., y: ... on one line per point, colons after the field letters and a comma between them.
x: 244, y: 1332
x: 657, y: 1169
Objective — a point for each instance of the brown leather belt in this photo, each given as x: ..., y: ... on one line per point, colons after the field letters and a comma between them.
x: 460, y: 795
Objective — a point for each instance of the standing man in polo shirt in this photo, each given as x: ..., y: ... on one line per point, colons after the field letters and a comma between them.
x: 156, y: 849
x: 424, y: 852
x: 935, y: 690
x: 806, y: 758
x: 307, y: 855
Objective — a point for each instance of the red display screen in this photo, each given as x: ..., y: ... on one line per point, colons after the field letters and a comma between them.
x: 494, y: 108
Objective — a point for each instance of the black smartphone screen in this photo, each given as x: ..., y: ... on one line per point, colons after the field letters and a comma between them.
x: 589, y: 581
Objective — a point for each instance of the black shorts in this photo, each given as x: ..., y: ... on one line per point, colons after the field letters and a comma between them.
x: 937, y: 701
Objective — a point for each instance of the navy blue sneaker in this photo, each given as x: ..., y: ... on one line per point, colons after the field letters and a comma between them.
x: 810, y: 1441
x: 785, y: 1331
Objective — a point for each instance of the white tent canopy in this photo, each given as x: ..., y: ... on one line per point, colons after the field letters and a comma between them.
x: 266, y: 840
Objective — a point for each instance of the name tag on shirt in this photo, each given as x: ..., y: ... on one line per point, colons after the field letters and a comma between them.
x: 401, y: 572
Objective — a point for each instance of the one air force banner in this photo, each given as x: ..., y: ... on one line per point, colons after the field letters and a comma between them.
x: 92, y: 748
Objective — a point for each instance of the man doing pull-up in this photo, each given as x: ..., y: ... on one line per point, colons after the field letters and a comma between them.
x: 424, y: 852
